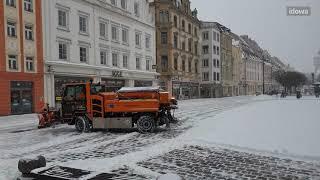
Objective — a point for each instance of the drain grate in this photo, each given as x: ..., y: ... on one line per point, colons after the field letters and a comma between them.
x: 59, y: 172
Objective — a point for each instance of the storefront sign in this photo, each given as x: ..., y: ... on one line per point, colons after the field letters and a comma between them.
x: 117, y: 74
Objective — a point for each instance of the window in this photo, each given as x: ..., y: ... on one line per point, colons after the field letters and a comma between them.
x: 189, y: 28
x: 103, y: 57
x: 164, y: 16
x: 124, y: 4
x: 63, y: 49
x: 218, y: 50
x: 13, y: 64
x: 164, y: 63
x: 215, y: 76
x: 205, y: 76
x: 196, y: 67
x: 195, y: 31
x: 218, y: 64
x: 183, y: 45
x: 125, y: 33
x: 11, y: 3
x: 29, y: 64
x: 138, y: 63
x: 183, y: 25
x: 218, y: 76
x: 196, y: 48
x: 164, y: 37
x: 125, y: 61
x: 28, y: 5
x: 183, y: 65
x: 218, y: 37
x: 214, y: 63
x: 175, y: 40
x: 214, y: 36
x: 190, y: 45
x: 114, y: 31
x: 175, y: 20
x: 83, y: 54
x: 214, y: 50
x: 62, y: 18
x: 83, y: 24
x: 148, y: 38
x: 138, y: 39
x: 205, y: 49
x: 205, y: 35
x: 28, y: 32
x: 205, y: 63
x: 175, y: 63
x: 11, y: 29
x: 103, y: 29
x: 113, y: 2
x: 115, y: 59
x: 189, y: 66
x: 148, y: 64
x: 136, y: 9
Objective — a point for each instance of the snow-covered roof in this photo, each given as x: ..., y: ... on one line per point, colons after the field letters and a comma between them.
x: 139, y: 89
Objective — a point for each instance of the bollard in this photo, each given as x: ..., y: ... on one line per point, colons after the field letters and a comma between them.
x: 25, y: 166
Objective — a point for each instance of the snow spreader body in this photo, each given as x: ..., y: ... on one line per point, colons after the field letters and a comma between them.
x: 87, y: 106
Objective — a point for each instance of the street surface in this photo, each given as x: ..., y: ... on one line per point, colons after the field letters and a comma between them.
x: 230, y: 138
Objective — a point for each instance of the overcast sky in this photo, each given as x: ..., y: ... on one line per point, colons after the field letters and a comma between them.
x: 295, y: 40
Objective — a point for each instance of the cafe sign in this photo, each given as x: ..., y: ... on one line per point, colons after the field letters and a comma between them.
x: 117, y: 74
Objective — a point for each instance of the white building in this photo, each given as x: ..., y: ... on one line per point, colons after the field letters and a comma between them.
x: 210, y: 60
x: 109, y: 41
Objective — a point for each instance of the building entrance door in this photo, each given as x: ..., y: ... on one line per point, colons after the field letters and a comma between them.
x: 21, y: 97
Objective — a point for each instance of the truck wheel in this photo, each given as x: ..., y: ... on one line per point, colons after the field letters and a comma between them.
x: 146, y: 124
x: 82, y: 124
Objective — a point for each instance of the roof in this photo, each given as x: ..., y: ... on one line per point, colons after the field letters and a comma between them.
x: 139, y: 89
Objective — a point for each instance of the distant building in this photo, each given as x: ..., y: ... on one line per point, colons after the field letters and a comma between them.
x: 237, y: 65
x: 177, y: 37
x: 21, y: 57
x: 112, y: 42
x: 210, y: 60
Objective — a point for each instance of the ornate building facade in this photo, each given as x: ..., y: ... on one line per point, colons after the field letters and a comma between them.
x: 177, y: 42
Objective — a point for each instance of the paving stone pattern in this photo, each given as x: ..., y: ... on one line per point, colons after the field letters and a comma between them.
x: 196, y: 162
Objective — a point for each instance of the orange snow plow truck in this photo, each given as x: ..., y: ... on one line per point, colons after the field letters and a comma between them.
x: 87, y: 106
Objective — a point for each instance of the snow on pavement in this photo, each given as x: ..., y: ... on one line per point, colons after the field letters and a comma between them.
x: 287, y: 126
x: 218, y: 122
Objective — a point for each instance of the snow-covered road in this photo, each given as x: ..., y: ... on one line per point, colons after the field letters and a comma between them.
x: 235, y: 127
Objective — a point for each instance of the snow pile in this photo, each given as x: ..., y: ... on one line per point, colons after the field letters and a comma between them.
x: 282, y: 126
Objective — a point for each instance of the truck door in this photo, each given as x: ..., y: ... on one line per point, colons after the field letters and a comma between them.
x: 74, y: 98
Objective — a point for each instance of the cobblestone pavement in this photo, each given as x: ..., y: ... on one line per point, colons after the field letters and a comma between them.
x: 191, y: 162
x: 195, y: 162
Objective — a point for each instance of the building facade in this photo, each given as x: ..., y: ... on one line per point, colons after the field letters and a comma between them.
x: 237, y: 64
x: 21, y: 57
x: 112, y: 42
x: 177, y: 31
x: 226, y: 61
x: 210, y: 60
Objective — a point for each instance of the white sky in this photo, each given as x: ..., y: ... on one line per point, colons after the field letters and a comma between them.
x: 295, y: 40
